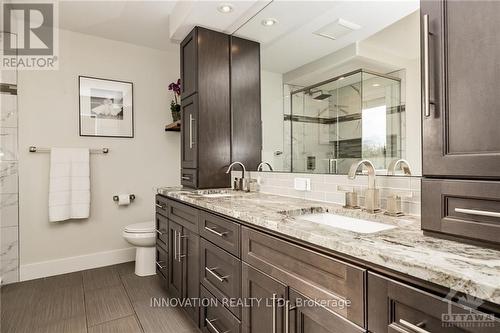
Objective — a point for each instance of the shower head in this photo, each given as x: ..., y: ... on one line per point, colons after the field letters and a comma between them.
x: 322, y: 96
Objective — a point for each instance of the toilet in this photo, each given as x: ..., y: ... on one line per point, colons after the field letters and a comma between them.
x: 143, y: 237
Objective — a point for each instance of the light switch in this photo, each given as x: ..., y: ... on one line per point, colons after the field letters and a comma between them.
x: 302, y: 184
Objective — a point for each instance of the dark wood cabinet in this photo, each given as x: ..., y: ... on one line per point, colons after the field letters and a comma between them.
x: 246, y: 123
x: 265, y: 314
x: 461, y: 140
x: 220, y: 104
x: 394, y: 307
x: 215, y: 317
x: 460, y: 134
x: 174, y: 264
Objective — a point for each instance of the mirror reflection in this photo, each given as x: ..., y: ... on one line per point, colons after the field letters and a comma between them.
x: 339, y: 84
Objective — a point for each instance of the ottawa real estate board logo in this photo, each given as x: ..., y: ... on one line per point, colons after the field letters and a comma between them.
x: 29, y: 36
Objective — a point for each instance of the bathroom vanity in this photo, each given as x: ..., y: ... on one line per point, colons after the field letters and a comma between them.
x: 234, y: 246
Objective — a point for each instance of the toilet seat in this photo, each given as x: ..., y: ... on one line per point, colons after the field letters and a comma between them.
x: 138, y: 228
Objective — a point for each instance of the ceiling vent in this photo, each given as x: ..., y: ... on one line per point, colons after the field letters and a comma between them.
x: 337, y: 29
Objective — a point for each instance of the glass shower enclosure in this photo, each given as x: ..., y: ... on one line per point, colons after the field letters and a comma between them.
x: 350, y: 117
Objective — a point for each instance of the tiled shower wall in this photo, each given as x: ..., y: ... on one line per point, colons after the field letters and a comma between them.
x: 325, y: 187
x: 9, y: 215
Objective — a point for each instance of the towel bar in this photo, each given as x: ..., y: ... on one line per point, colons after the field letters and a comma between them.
x: 33, y: 149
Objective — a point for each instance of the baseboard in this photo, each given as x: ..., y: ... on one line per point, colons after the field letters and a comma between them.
x: 74, y: 264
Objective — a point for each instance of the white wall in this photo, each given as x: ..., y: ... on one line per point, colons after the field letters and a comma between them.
x: 48, y: 117
x: 272, y: 117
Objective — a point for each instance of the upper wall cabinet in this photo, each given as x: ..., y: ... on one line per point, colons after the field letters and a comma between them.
x: 461, y: 67
x: 220, y: 102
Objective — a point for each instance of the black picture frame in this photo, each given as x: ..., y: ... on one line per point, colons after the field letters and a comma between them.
x: 132, y: 134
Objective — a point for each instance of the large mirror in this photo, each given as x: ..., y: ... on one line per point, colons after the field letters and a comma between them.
x: 340, y: 81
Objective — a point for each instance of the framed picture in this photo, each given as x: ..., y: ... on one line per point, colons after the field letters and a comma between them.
x: 106, y: 107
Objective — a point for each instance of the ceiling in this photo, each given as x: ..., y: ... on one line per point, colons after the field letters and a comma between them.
x: 158, y: 24
x: 298, y: 20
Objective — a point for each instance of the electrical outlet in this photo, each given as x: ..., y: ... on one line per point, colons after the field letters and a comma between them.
x: 302, y: 184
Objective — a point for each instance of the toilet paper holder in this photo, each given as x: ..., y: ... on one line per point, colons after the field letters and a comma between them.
x: 131, y: 196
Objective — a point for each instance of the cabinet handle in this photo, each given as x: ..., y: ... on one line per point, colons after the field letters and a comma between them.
x: 191, y: 120
x: 175, y: 245
x: 288, y: 308
x: 215, y: 275
x: 415, y: 328
x: 186, y: 178
x: 426, y: 93
x: 160, y: 231
x: 209, y: 323
x: 179, y: 255
x: 477, y: 212
x: 158, y: 263
x: 160, y: 206
x: 275, y: 315
x: 215, y: 232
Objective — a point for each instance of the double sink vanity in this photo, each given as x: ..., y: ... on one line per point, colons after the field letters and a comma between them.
x: 271, y: 263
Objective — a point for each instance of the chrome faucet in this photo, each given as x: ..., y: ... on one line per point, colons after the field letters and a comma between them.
x: 261, y: 164
x: 239, y: 183
x: 372, y: 202
x: 402, y: 164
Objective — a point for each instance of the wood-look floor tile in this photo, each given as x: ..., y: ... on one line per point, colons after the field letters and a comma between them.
x: 70, y: 325
x: 101, y: 278
x: 63, y: 280
x: 126, y: 268
x: 123, y: 325
x: 163, y: 320
x: 142, y: 288
x: 107, y: 304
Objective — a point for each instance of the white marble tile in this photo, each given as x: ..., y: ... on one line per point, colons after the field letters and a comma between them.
x: 8, y: 177
x: 8, y: 110
x: 9, y: 270
x: 9, y: 212
x: 8, y: 144
x: 9, y: 243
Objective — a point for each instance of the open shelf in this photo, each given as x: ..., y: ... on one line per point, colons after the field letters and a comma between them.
x: 173, y: 127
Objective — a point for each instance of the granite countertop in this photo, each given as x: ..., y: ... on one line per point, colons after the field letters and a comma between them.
x: 465, y: 268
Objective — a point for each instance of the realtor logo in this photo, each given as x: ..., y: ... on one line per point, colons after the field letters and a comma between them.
x: 30, y: 35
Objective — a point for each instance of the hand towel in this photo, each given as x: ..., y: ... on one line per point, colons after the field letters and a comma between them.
x: 69, y: 185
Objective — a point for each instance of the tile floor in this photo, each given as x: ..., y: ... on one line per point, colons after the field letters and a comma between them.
x: 101, y: 300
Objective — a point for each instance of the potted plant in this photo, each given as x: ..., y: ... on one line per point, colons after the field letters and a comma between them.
x: 175, y: 107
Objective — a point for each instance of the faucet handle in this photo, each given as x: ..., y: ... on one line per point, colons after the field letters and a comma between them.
x: 351, y: 196
x: 394, y: 202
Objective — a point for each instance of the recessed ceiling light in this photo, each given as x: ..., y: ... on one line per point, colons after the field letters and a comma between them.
x: 376, y: 85
x: 341, y: 78
x: 225, y: 8
x: 269, y: 22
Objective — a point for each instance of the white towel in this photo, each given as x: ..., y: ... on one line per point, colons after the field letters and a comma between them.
x: 69, y: 188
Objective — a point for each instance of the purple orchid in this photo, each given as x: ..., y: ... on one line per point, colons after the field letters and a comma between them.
x: 176, y: 88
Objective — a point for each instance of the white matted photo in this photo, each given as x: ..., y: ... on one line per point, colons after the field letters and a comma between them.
x: 106, y: 107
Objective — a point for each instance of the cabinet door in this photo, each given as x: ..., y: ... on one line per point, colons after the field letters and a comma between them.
x: 189, y: 144
x: 190, y: 257
x: 189, y: 64
x: 266, y: 315
x: 174, y: 263
x: 460, y: 132
x: 306, y: 316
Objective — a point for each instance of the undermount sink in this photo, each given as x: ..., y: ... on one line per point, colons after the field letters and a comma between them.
x: 346, y: 223
x: 216, y: 195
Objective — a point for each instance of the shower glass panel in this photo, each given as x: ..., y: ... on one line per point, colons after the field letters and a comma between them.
x: 339, y: 121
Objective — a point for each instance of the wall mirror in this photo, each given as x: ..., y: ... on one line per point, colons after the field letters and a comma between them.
x: 340, y: 81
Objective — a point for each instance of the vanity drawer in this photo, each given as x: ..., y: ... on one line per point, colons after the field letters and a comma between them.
x: 162, y: 229
x: 312, y: 274
x: 184, y: 215
x: 215, y: 317
x: 161, y: 205
x: 189, y: 178
x: 462, y: 208
x: 221, y: 232
x: 220, y: 273
x: 397, y: 308
x: 161, y: 262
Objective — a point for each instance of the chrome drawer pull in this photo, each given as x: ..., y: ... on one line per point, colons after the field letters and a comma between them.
x: 288, y: 308
x: 414, y: 328
x: 158, y: 263
x: 160, y: 206
x: 426, y: 83
x: 185, y: 178
x: 477, y: 212
x: 209, y: 323
x: 215, y: 232
x: 160, y: 231
x: 275, y: 314
x: 217, y: 276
